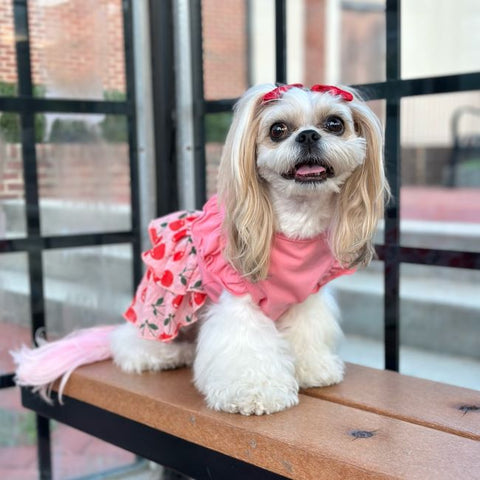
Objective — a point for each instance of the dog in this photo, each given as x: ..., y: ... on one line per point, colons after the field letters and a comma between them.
x: 239, y: 290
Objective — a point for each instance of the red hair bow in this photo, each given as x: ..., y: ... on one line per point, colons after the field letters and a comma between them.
x: 276, y: 93
x: 347, y: 96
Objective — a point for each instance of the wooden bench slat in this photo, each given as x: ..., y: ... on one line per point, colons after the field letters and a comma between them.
x: 311, y: 441
x: 411, y: 399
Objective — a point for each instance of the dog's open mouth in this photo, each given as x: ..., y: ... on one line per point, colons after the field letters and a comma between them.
x: 310, y: 172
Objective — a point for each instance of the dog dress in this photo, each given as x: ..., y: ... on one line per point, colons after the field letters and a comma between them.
x: 185, y: 267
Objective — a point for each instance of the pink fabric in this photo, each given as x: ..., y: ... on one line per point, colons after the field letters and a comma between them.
x: 186, y: 265
x: 170, y: 292
x: 298, y: 268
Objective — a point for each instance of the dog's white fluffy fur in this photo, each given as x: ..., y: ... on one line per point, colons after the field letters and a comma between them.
x: 243, y: 361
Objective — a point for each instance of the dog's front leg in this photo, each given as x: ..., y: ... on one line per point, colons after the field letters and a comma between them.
x: 312, y: 330
x: 243, y: 364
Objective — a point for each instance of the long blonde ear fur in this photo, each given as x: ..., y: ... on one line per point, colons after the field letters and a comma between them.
x: 362, y: 197
x: 248, y: 224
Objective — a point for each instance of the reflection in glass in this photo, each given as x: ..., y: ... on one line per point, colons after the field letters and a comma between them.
x: 216, y: 128
x: 360, y: 298
x: 440, y: 196
x: 18, y: 448
x: 224, y: 48
x: 362, y: 36
x: 14, y: 307
x: 84, y: 174
x: 76, y: 454
x: 440, y: 309
x: 440, y: 38
x: 86, y: 286
x: 12, y: 192
x: 77, y: 48
x: 8, y: 58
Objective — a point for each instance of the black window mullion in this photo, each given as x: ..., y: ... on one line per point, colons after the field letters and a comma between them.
x: 163, y: 98
x: 132, y: 140
x: 392, y: 212
x: 37, y: 304
x: 196, y: 43
x: 281, y: 41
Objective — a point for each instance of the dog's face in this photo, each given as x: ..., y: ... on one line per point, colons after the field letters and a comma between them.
x: 292, y: 142
x: 308, y: 142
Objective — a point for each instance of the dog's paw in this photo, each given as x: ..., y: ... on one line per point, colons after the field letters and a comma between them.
x: 320, y: 371
x: 252, y: 399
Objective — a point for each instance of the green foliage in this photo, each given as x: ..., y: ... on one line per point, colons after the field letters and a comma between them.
x: 216, y: 126
x: 114, y: 128
x: 114, y: 96
x: 71, y: 131
x: 8, y: 89
x: 10, y: 121
x: 10, y: 127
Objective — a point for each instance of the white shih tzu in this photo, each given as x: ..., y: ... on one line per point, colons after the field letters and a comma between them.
x: 301, y: 189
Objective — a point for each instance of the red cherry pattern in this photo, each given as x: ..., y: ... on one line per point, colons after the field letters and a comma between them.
x: 158, y: 252
x: 177, y: 301
x: 179, y: 235
x: 175, y: 307
x: 178, y: 256
x: 199, y: 298
x: 167, y: 278
x: 130, y: 314
x: 176, y: 225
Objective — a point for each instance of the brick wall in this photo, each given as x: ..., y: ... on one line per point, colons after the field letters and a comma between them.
x: 224, y: 48
x: 8, y: 65
x: 76, y: 46
x: 70, y: 172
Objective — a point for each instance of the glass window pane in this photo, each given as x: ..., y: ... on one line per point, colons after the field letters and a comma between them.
x: 334, y: 42
x: 76, y: 454
x: 14, y: 307
x: 224, y: 48
x: 440, y: 196
x: 362, y: 42
x: 8, y: 58
x: 261, y: 30
x: 77, y: 48
x: 84, y: 174
x: 216, y: 128
x: 18, y: 449
x: 360, y: 298
x: 12, y: 191
x: 440, y: 310
x: 86, y: 286
x: 440, y: 38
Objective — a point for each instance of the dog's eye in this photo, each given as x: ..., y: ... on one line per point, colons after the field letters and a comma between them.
x: 278, y: 131
x: 334, y: 125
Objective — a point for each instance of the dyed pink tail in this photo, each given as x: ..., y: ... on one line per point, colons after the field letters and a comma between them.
x: 40, y: 367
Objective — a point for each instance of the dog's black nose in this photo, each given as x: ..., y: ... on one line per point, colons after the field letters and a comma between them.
x: 308, y: 137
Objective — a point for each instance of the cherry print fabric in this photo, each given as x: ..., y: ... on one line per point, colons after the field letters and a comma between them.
x: 170, y: 293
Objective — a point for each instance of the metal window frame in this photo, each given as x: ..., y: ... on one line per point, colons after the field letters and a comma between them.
x: 392, y: 90
x: 33, y: 244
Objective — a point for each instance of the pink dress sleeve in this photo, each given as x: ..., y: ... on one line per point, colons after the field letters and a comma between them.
x: 171, y: 292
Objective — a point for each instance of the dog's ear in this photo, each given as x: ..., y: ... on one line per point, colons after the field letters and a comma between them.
x: 362, y: 197
x: 248, y: 223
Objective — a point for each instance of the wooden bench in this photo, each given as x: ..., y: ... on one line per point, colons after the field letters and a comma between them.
x: 376, y: 424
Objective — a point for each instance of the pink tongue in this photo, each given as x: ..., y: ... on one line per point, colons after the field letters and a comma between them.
x: 310, y: 170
